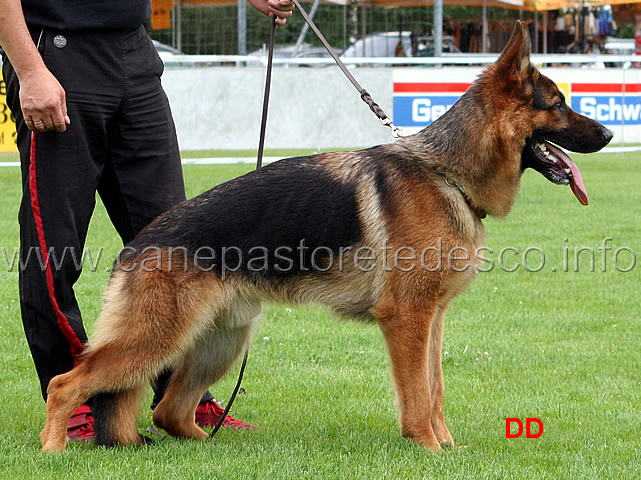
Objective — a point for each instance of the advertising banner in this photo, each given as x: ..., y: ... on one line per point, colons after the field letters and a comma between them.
x: 612, y: 97
x: 608, y: 103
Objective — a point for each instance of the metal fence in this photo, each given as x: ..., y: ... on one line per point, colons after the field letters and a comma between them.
x: 214, y: 30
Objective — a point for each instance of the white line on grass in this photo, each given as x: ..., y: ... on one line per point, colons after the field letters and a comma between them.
x: 232, y: 160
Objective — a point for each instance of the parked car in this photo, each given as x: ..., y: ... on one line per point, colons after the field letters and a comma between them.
x: 382, y: 44
x: 165, y: 51
x: 289, y: 51
x: 398, y: 44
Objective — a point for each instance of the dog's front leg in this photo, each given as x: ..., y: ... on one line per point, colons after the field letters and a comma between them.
x: 436, y: 380
x: 407, y: 333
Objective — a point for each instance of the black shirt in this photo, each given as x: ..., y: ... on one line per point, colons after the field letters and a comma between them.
x: 86, y: 14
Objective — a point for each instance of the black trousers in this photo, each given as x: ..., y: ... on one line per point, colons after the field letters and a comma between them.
x: 121, y: 143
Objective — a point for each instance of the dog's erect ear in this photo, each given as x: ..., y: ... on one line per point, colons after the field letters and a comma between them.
x: 515, y: 58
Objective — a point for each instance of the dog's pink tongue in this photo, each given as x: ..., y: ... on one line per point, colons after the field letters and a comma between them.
x: 576, y: 184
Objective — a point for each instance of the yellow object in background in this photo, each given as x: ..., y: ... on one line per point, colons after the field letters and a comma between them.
x: 7, y: 123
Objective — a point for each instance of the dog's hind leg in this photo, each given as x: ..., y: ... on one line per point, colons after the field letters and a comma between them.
x: 102, y: 370
x: 59, y: 410
x: 436, y: 380
x: 407, y: 333
x: 211, y: 357
x: 144, y: 325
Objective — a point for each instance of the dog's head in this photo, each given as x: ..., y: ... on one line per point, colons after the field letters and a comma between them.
x: 552, y: 123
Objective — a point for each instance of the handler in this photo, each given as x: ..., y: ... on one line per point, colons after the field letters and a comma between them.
x: 83, y: 82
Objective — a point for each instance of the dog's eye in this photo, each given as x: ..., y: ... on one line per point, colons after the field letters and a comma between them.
x: 558, y: 105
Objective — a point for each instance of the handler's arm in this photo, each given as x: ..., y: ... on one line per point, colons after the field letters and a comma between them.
x: 42, y: 98
x: 281, y: 9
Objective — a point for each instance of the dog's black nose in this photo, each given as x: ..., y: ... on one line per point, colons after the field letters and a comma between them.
x: 607, y: 135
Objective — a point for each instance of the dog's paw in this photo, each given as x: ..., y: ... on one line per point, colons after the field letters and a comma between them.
x: 426, y: 439
x: 54, y: 446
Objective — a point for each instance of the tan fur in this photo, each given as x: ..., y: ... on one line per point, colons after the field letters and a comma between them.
x: 171, y: 315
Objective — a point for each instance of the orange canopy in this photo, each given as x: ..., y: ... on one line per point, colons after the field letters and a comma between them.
x: 546, y: 5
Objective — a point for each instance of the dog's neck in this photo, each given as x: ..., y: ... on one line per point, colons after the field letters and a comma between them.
x: 456, y: 146
x: 452, y: 175
x: 477, y: 210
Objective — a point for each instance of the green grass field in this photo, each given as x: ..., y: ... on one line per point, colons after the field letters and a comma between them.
x: 556, y: 339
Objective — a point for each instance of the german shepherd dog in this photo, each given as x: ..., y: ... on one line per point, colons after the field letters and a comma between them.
x: 369, y: 233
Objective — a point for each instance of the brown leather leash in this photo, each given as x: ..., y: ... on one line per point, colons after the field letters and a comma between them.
x: 259, y: 164
x: 233, y: 395
x: 268, y: 82
x: 365, y: 96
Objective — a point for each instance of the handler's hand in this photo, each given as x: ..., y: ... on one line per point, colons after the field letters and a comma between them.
x: 43, y: 101
x: 281, y: 9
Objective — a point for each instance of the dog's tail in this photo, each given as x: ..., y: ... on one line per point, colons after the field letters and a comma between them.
x: 115, y: 418
x: 103, y: 408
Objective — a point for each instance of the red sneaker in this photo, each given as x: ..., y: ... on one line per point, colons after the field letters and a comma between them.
x: 80, y: 425
x: 208, y: 414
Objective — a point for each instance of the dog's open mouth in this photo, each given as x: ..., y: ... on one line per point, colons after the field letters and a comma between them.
x: 555, y: 165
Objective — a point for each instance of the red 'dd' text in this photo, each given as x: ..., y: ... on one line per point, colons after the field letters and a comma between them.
x: 528, y: 428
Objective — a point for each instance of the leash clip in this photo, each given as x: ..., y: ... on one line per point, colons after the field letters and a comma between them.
x: 396, y: 131
x: 380, y: 114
